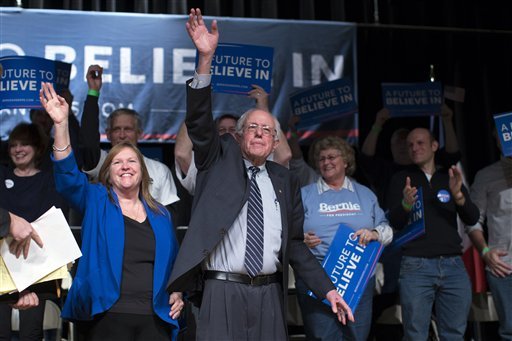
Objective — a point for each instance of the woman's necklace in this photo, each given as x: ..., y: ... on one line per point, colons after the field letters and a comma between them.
x: 134, y: 212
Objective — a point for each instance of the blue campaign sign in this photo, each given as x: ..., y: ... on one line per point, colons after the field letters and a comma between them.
x: 235, y: 67
x: 504, y: 129
x: 22, y: 76
x: 324, y: 102
x: 147, y: 58
x: 412, y: 99
x: 350, y: 265
x: 415, y: 225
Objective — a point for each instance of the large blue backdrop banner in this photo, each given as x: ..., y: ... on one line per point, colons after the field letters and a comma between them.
x: 147, y: 59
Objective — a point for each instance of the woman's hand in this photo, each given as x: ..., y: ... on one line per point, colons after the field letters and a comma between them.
x: 366, y: 235
x: 177, y: 304
x: 27, y: 300
x: 55, y: 105
x: 311, y: 239
x: 260, y: 96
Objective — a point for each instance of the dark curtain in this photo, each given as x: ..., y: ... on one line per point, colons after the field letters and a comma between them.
x: 467, y: 42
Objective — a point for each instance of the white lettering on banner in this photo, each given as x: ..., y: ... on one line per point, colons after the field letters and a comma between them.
x: 108, y: 107
x: 125, y: 68
x: 91, y: 53
x: 319, y: 67
x: 18, y: 51
x: 222, y: 70
x: 158, y: 65
x: 24, y: 79
x: 413, y: 93
x: 413, y: 97
x: 340, y: 207
x: 233, y: 60
x: 298, y: 77
x: 63, y: 53
x: 417, y: 212
x: 180, y: 67
x: 18, y: 84
x: 14, y: 112
x: 414, y: 100
x: 262, y: 74
x: 323, y: 100
x: 19, y: 73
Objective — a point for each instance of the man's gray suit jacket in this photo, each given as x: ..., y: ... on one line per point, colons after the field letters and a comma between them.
x: 221, y: 191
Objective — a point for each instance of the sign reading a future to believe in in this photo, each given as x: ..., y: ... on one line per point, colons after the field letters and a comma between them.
x: 504, y: 130
x: 22, y: 77
x: 350, y: 265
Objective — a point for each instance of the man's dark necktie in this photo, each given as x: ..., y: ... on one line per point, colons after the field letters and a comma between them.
x: 254, y: 245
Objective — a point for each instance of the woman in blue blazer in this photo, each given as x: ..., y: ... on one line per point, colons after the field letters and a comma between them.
x: 128, y: 243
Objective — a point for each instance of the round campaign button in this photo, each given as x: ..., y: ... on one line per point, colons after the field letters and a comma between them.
x: 9, y: 183
x: 443, y: 196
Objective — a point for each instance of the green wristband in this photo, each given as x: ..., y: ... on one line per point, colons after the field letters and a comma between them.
x: 294, y: 134
x: 376, y: 128
x: 485, y: 250
x: 406, y: 205
x: 93, y: 92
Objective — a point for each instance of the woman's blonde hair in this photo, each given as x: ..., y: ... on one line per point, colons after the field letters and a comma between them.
x: 334, y: 142
x: 104, y: 176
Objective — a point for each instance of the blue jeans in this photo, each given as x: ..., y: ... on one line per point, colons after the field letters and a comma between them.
x: 441, y: 282
x: 501, y: 289
x: 320, y: 323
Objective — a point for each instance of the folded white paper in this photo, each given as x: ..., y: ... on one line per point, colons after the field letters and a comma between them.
x: 59, y: 249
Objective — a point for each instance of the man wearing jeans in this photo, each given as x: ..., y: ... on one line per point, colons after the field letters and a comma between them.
x: 492, y: 193
x: 432, y: 273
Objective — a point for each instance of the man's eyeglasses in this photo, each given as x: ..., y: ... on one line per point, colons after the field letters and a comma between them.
x: 328, y: 158
x: 265, y: 129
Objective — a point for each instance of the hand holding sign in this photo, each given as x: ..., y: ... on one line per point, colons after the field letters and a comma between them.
x: 415, y: 225
x: 260, y: 96
x: 381, y: 117
x: 446, y: 112
x: 366, y: 236
x: 410, y: 195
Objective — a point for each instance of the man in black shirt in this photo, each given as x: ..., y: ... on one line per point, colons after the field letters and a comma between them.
x: 432, y: 271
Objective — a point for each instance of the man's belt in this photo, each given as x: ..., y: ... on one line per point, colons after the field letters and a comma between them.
x: 243, y: 279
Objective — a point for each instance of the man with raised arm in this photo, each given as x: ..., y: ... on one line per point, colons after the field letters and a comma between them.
x: 246, y: 225
x: 122, y: 125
